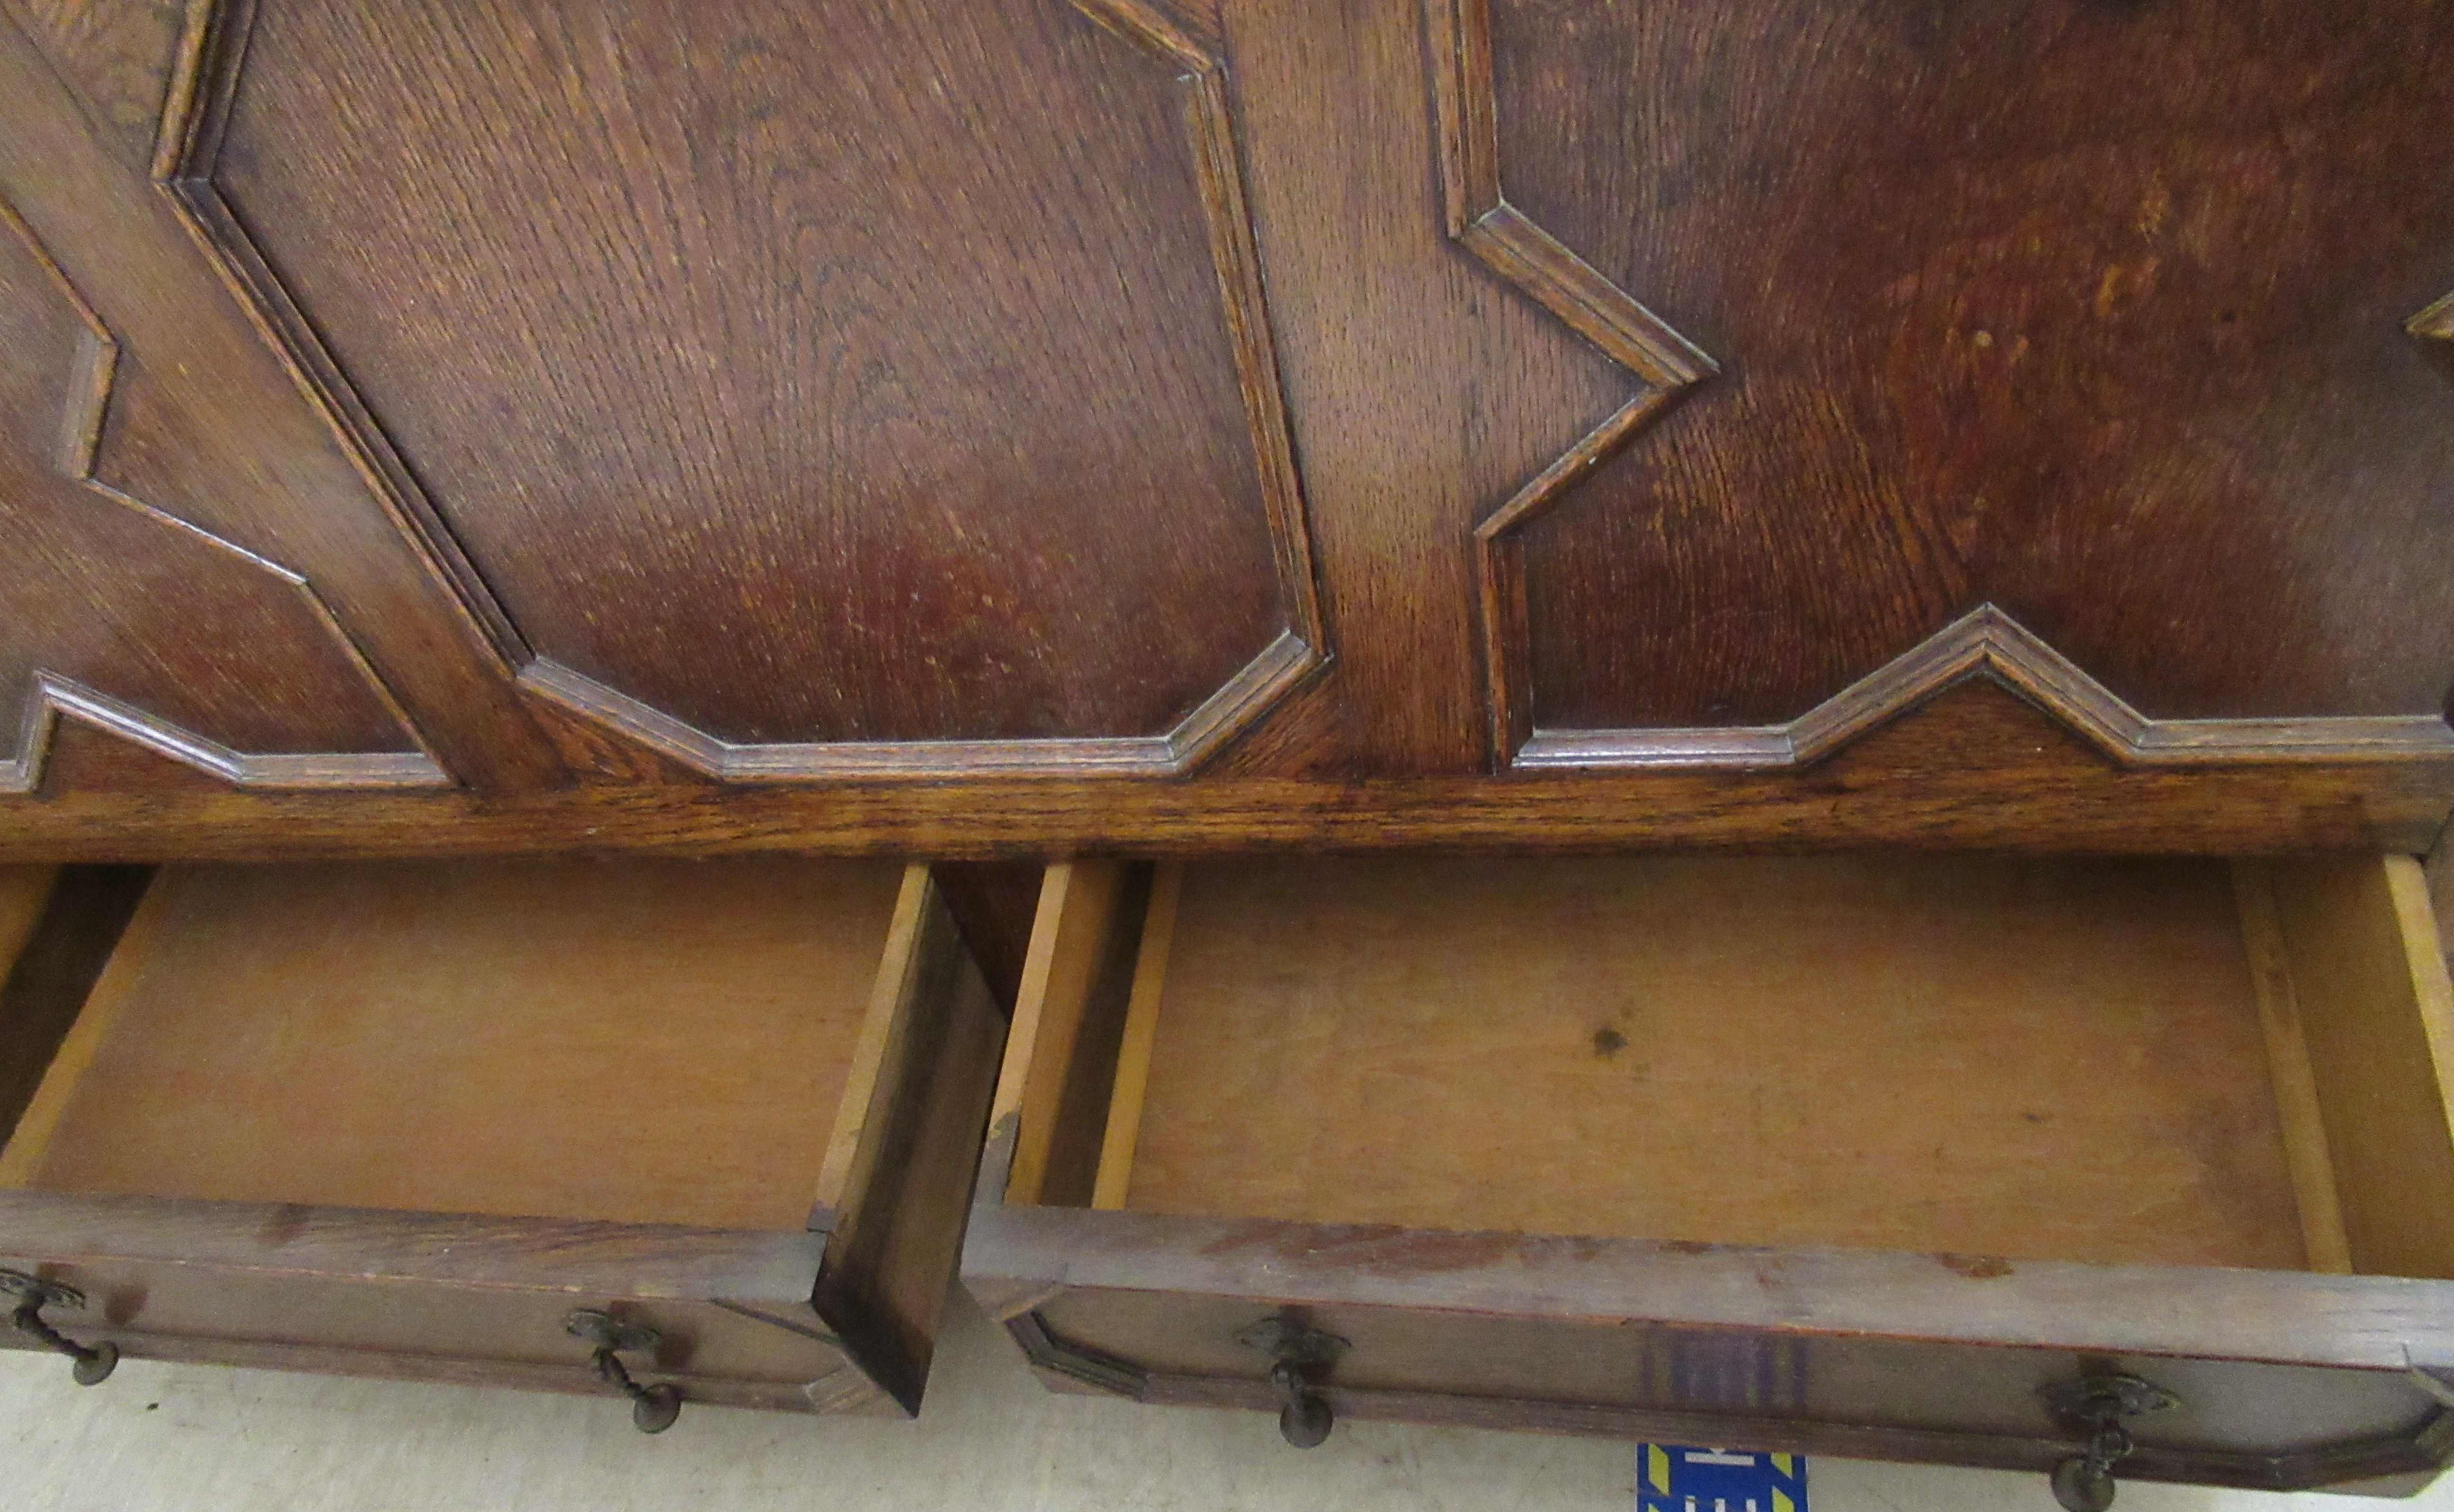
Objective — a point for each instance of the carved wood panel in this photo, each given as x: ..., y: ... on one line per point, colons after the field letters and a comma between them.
x: 880, y: 389
x: 133, y: 621
x: 2083, y: 346
x: 905, y: 398
x: 266, y: 623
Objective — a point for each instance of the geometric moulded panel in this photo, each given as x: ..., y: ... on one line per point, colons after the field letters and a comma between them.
x: 129, y: 620
x: 804, y: 391
x: 2020, y: 363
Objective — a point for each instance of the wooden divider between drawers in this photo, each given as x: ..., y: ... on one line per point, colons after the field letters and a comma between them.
x: 1124, y: 1128
x: 2296, y: 1102
x: 1060, y: 1053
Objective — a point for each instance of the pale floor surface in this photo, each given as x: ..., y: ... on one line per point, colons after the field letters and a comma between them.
x: 199, y: 1438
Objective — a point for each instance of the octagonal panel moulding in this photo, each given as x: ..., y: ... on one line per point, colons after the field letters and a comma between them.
x: 904, y: 405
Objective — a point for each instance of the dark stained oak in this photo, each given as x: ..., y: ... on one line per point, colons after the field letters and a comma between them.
x: 203, y: 425
x: 116, y: 57
x: 108, y: 589
x: 1973, y: 769
x: 2096, y: 315
x: 677, y: 435
x: 2291, y: 1381
x: 799, y: 382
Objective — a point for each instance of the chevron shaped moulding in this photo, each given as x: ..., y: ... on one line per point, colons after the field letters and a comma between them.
x: 1989, y: 643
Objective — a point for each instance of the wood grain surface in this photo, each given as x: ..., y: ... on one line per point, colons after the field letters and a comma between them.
x: 1995, y: 322
x: 2378, y: 1014
x: 2289, y: 1380
x: 917, y: 402
x: 896, y: 1231
x: 951, y: 423
x: 1976, y: 769
x: 436, y: 1298
x: 512, y: 1038
x: 106, y: 588
x: 2048, y: 1059
x: 117, y: 57
x: 203, y: 424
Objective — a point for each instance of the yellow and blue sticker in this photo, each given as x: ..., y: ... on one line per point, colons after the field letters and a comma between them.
x: 1675, y: 1478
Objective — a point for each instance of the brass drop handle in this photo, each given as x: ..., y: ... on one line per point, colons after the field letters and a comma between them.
x: 93, y: 1362
x: 2099, y: 1405
x: 1300, y: 1355
x: 652, y: 1408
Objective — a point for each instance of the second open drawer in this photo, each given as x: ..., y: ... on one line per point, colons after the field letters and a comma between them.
x: 1888, y: 1157
x: 476, y: 1120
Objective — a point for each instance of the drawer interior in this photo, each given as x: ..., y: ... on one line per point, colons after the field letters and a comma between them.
x: 2154, y: 1061
x: 648, y: 1041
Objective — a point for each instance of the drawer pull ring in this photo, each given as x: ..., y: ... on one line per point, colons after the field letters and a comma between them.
x: 1300, y: 1355
x: 94, y: 1363
x: 2098, y: 1405
x: 652, y: 1408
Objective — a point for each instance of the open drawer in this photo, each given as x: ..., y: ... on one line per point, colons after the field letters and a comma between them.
x: 476, y: 1120
x: 1969, y: 1160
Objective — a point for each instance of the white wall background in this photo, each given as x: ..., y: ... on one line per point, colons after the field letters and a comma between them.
x: 198, y: 1438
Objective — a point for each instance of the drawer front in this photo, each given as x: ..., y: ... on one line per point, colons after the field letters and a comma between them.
x: 1914, y: 1357
x: 484, y: 1301
x: 1909, y: 1157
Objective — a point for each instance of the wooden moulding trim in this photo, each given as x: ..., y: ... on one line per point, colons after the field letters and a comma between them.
x: 2084, y: 809
x: 1284, y: 662
x: 1984, y: 643
x: 866, y: 1103
x: 211, y: 57
x: 1123, y: 1132
x: 1089, y: 1367
x: 213, y: 50
x: 2405, y: 1453
x: 2298, y: 1110
x: 1539, y: 264
x: 523, y: 1375
x: 54, y: 696
x: 2281, y: 1317
x: 519, y: 1254
x: 1988, y: 642
x: 1197, y: 52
